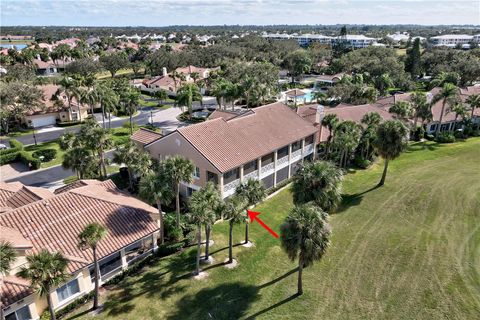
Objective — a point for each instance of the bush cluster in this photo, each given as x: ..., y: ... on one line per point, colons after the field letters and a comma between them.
x: 11, y: 154
x: 361, y: 162
x: 47, y: 154
x: 28, y: 160
x: 445, y: 137
x: 68, y: 123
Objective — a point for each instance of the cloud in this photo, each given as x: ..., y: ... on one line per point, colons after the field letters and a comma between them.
x: 218, y: 12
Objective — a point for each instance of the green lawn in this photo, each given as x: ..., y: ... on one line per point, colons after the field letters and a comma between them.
x: 48, y: 145
x: 408, y: 250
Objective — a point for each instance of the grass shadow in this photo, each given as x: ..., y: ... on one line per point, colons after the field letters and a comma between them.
x: 278, y: 279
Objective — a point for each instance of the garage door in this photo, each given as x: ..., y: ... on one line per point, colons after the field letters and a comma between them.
x: 43, y: 121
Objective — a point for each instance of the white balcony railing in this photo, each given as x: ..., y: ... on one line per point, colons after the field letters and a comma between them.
x: 296, y: 155
x: 267, y: 170
x: 308, y: 149
x: 229, y: 188
x: 282, y: 162
x: 251, y: 175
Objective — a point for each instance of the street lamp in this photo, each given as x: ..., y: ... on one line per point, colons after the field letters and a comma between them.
x: 34, y: 137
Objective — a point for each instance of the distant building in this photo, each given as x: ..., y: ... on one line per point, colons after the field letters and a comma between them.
x: 354, y: 41
x: 454, y: 40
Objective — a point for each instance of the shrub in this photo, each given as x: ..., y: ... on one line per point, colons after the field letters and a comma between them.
x: 9, y: 157
x: 68, y: 123
x: 430, y: 137
x: 418, y: 133
x: 185, y: 118
x: 460, y: 134
x: 47, y: 154
x: 27, y: 159
x: 445, y: 137
x: 14, y: 143
x: 126, y: 125
x: 475, y: 133
x: 169, y: 248
x: 362, y: 162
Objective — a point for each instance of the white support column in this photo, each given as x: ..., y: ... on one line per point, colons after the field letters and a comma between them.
x: 241, y: 173
x: 124, y: 259
x: 289, y: 159
x: 220, y: 183
x: 303, y: 148
x: 275, y: 168
x: 259, y: 167
x: 155, y: 236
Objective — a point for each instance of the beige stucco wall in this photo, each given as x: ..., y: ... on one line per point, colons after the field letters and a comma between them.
x: 176, y: 144
x: 26, y: 119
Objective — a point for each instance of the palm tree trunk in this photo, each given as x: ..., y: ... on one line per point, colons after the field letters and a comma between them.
x: 109, y: 120
x: 246, y: 232
x: 300, y: 271
x: 199, y: 239
x: 159, y: 206
x: 50, y: 305
x: 97, y: 278
x: 441, y: 118
x: 103, y: 168
x: 103, y: 115
x: 177, y: 203
x: 131, y: 124
x: 130, y: 178
x: 207, y: 241
x: 384, y: 175
x: 230, y: 243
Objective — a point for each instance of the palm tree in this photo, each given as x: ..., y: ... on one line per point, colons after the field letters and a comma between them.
x: 422, y: 109
x: 89, y: 238
x: 320, y: 182
x: 200, y: 214
x: 474, y: 102
x: 305, y: 234
x: 195, y: 76
x: 131, y: 103
x: 330, y: 121
x: 161, y: 95
x: 383, y: 83
x: 45, y: 271
x: 220, y: 91
x: 67, y: 85
x: 127, y: 154
x: 155, y: 188
x: 371, y: 120
x: 188, y: 93
x: 391, y: 141
x: 102, y: 143
x: 251, y: 192
x: 459, y: 110
x: 80, y: 160
x: 213, y: 200
x: 7, y: 257
x: 109, y: 101
x: 179, y: 169
x: 234, y: 210
x: 448, y: 94
x: 347, y: 137
x: 142, y: 165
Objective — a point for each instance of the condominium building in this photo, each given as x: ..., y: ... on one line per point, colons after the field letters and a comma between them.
x: 267, y: 143
x: 33, y: 219
x: 354, y: 41
x: 453, y: 40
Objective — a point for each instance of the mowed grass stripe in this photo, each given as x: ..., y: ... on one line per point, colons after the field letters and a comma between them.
x: 408, y: 250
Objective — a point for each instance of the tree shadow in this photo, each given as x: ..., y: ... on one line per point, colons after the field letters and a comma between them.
x: 225, y: 301
x: 225, y: 248
x: 278, y: 279
x: 273, y: 306
x: 421, y: 146
x: 351, y: 200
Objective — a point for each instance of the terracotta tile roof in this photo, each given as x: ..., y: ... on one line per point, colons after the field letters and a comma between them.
x: 203, y: 72
x: 13, y: 289
x: 329, y: 78
x: 230, y: 143
x: 295, y: 93
x: 226, y: 115
x: 308, y: 113
x: 14, y: 237
x: 28, y: 195
x: 6, y: 191
x: 85, y: 182
x: 54, y: 223
x: 145, y: 136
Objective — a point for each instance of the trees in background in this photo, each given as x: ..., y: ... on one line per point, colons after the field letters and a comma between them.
x: 113, y: 62
x: 347, y: 137
x: 305, y: 235
x: 297, y: 63
x: 188, y: 93
x: 413, y: 61
x: 449, y: 94
x: 89, y: 238
x: 391, y: 141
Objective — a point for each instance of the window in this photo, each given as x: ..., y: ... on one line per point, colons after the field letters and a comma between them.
x: 433, y: 127
x: 212, y: 177
x: 190, y: 191
x: 296, y: 145
x: 231, y: 175
x: 21, y: 314
x: 267, y: 159
x: 110, y: 263
x: 250, y: 167
x: 133, y: 250
x: 283, y: 152
x: 74, y: 116
x: 196, y: 174
x: 309, y: 140
x: 68, y: 290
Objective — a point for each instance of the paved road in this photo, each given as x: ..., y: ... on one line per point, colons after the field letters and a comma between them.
x: 48, y: 177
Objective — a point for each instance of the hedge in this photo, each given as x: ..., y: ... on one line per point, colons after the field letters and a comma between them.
x: 26, y: 158
x: 47, y: 154
x: 11, y: 154
x: 445, y: 137
x: 68, y: 123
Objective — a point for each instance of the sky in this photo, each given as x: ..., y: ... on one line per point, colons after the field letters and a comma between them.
x: 232, y: 12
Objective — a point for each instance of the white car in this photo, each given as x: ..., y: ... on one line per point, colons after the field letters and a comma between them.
x: 3, y: 147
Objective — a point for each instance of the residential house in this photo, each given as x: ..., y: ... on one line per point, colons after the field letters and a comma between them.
x: 55, y: 109
x: 266, y: 143
x: 33, y: 219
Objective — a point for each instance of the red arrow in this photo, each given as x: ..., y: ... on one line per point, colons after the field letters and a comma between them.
x: 253, y: 216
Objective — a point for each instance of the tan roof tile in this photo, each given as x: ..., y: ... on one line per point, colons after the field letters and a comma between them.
x: 145, y: 136
x: 13, y: 289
